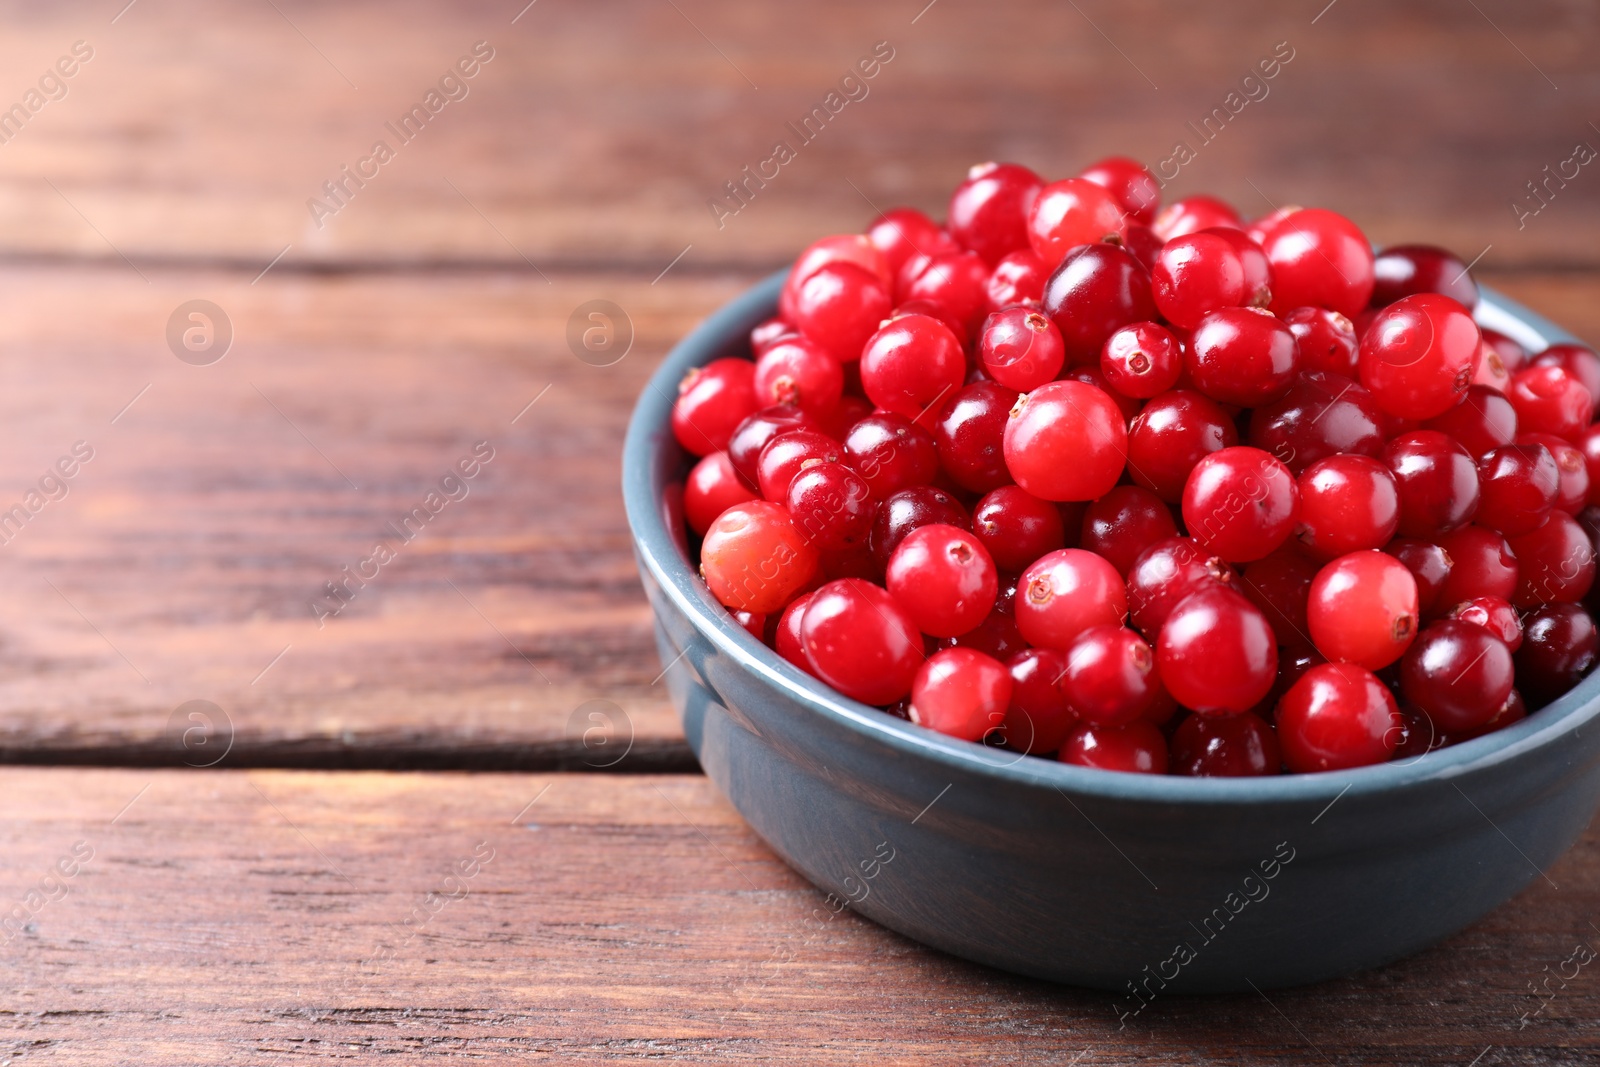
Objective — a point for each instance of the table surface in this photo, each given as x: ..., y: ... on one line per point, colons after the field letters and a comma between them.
x: 276, y: 905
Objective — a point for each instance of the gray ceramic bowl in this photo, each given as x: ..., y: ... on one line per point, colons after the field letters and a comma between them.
x: 1132, y: 883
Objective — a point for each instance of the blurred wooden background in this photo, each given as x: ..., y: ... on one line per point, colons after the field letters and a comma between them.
x: 369, y: 353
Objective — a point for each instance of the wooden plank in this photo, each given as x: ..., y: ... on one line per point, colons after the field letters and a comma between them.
x: 268, y: 917
x: 199, y: 131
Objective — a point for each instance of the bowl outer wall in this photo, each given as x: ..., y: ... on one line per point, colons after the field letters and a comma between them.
x: 1086, y: 876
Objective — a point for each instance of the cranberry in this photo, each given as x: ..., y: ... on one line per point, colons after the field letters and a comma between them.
x: 1481, y: 564
x: 962, y: 693
x: 1548, y: 399
x: 970, y: 430
x: 1437, y: 483
x: 956, y: 282
x: 1257, y: 269
x: 1363, y: 609
x: 1430, y: 567
x: 1321, y: 415
x: 1491, y: 370
x: 789, y: 453
x: 995, y: 636
x: 1096, y: 290
x: 1066, y: 441
x: 1091, y: 374
x: 1173, y: 433
x: 905, y: 232
x: 1130, y: 182
x: 1242, y: 356
x: 1419, y: 355
x: 1125, y: 522
x: 1518, y: 484
x: 1555, y: 563
x: 1483, y: 421
x: 1038, y: 717
x: 1572, y: 488
x: 1137, y: 748
x: 753, y: 558
x: 910, y: 364
x: 1513, y: 355
x: 944, y: 578
x: 839, y: 307
x: 1217, y: 653
x: 1577, y: 360
x: 1589, y: 444
x: 1142, y: 241
x: 712, y: 401
x: 1319, y: 259
x: 1142, y: 360
x: 1559, y: 647
x: 1460, y: 674
x: 1194, y: 213
x: 713, y: 486
x: 1337, y: 716
x: 752, y: 435
x: 1197, y: 274
x: 1241, y: 503
x: 1326, y: 338
x: 848, y: 249
x: 1406, y: 270
x: 1238, y: 746
x: 1165, y: 574
x: 1018, y: 278
x: 766, y: 334
x: 1347, y: 503
x: 1110, y: 677
x: 1513, y: 710
x: 832, y: 506
x: 989, y: 211
x: 1493, y: 614
x: 1069, y: 213
x: 1066, y: 592
x: 850, y: 410
x: 786, y: 640
x: 859, y: 640
x: 891, y: 453
x: 1280, y: 585
x: 1017, y: 527
x: 797, y: 371
x: 906, y: 510
x: 1020, y: 348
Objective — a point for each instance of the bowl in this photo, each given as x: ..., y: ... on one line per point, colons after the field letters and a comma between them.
x: 1138, y: 884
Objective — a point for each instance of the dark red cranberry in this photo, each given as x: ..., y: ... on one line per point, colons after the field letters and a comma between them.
x: 1555, y: 563
x: 1242, y: 356
x: 1518, y: 484
x: 1110, y: 679
x: 1550, y: 400
x: 1483, y: 421
x: 1460, y: 674
x: 1559, y: 647
x: 989, y: 211
x: 1097, y: 289
x: 944, y: 579
x: 1039, y: 717
x: 1136, y: 748
x: 1236, y: 746
x: 955, y: 281
x: 1430, y: 567
x: 1167, y: 572
x: 1321, y: 415
x: 1406, y: 269
x: 1130, y: 182
x: 1326, y: 338
x: 1173, y: 432
x: 1572, y: 491
x: 1481, y: 564
x: 1142, y: 241
x: 1125, y: 522
x: 1241, y: 503
x: 1577, y: 360
x: 786, y: 640
x: 1437, y: 482
x: 970, y: 431
x: 1017, y: 527
x: 752, y: 435
x: 831, y: 506
x: 1280, y: 584
x: 891, y: 453
x: 908, y: 509
x: 858, y: 640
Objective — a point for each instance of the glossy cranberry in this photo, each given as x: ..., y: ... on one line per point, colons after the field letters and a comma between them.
x: 1493, y: 614
x: 1165, y: 574
x: 910, y: 364
x: 995, y: 636
x: 1459, y: 673
x: 1363, y: 609
x: 908, y: 509
x: 1577, y: 360
x: 1069, y: 213
x: 1194, y: 213
x: 753, y: 558
x: 1419, y: 355
x: 859, y: 640
x: 961, y: 693
x: 1142, y: 360
x: 1589, y: 443
x: 1483, y: 421
x: 797, y: 371
x: 789, y: 453
x: 1430, y: 567
x: 1347, y: 503
x: 1513, y: 355
x: 1142, y: 241
x: 1197, y: 274
x: 1555, y: 563
x: 970, y: 430
x: 1110, y: 678
x: 839, y: 307
x: 752, y: 435
x: 1406, y: 270
x: 1337, y: 716
x: 1237, y: 746
x: 1038, y: 718
x: 1066, y: 592
x: 752, y: 622
x: 1217, y: 653
x: 944, y: 578
x: 957, y: 282
x: 712, y: 487
x: 1559, y: 647
x: 1242, y: 356
x: 891, y: 453
x: 1123, y: 523
x: 1319, y: 259
x: 766, y: 334
x: 712, y: 401
x: 1017, y: 527
x: 1437, y: 483
x: 1066, y: 441
x: 1491, y: 370
x: 989, y: 211
x: 1097, y: 289
x: 905, y: 232
x: 1518, y: 484
x: 1241, y: 503
x: 1481, y: 564
x: 1513, y: 710
x: 1018, y: 278
x: 1327, y: 340
x: 831, y: 506
x: 1418, y: 736
x: 1257, y: 269
x: 1021, y: 348
x: 1548, y: 399
x: 1130, y: 182
x: 1135, y: 748
x: 1175, y: 431
x: 1572, y: 488
x: 786, y: 640
x: 1321, y: 415
x: 847, y: 249
x: 1280, y: 585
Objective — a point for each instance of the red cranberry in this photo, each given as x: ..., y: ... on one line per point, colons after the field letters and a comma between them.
x: 1419, y: 355
x: 847, y: 249
x: 839, y: 307
x: 1550, y: 400
x: 1577, y: 360
x: 1238, y: 746
x: 1096, y: 290
x: 1197, y: 274
x: 1321, y: 415
x: 1481, y: 564
x: 1337, y: 716
x: 787, y: 641
x: 1572, y: 488
x: 906, y: 232
x: 1589, y: 444
x: 789, y: 453
x: 1069, y: 213
x: 908, y: 509
x: 797, y: 371
x: 962, y: 693
x: 1066, y: 592
x: 1142, y: 360
x: 1319, y: 259
x: 1513, y: 355
x: 1559, y: 647
x: 1483, y: 421
x: 850, y: 410
x: 1493, y: 614
x: 1194, y: 213
x: 1123, y: 523
x: 1175, y: 431
x: 1518, y: 484
x: 752, y: 435
x: 891, y: 453
x: 1280, y: 585
x: 1241, y: 503
x: 970, y: 431
x: 1018, y: 278
x: 1110, y: 679
x: 1363, y: 609
x: 1142, y: 241
x: 1437, y: 483
x: 712, y: 401
x: 944, y: 578
x: 1130, y: 182
x: 766, y: 334
x: 1347, y: 503
x: 1406, y: 270
x: 1326, y: 338
x: 995, y: 636
x: 1555, y: 563
x: 1020, y: 348
x: 713, y: 486
x: 832, y: 507
x: 753, y: 558
x: 859, y: 640
x: 989, y: 211
x: 1091, y: 374
x: 957, y: 282
x: 1017, y: 527
x: 1257, y: 269
x: 1460, y: 674
x: 1165, y: 574
x: 1066, y: 441
x: 1135, y: 748
x: 910, y: 364
x: 1038, y: 718
x: 1242, y: 356
x: 1430, y: 567
x: 1217, y: 653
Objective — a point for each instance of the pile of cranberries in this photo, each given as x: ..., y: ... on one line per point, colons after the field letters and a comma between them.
x: 1173, y: 492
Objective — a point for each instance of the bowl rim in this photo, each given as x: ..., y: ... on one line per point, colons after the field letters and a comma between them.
x: 656, y: 548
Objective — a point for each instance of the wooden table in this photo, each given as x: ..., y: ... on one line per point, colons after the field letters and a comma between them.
x: 398, y: 842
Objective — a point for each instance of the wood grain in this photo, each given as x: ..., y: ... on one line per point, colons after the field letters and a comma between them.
x: 270, y: 917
